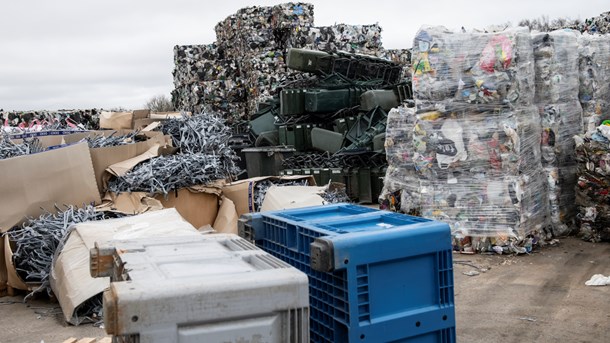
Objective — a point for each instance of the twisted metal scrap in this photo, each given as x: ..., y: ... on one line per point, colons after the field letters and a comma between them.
x: 201, y: 133
x: 9, y: 149
x: 335, y: 196
x: 100, y: 141
x: 38, y: 239
x: 166, y: 173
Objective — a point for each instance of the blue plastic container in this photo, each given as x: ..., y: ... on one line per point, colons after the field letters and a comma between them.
x: 374, y: 276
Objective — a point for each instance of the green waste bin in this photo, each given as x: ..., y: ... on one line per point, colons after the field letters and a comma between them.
x: 266, y: 161
x: 317, y: 175
x: 351, y: 182
x: 377, y: 175
x: 365, y: 193
x: 337, y: 175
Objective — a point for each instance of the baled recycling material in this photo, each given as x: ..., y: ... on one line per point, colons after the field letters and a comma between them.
x: 556, y: 63
x: 469, y: 152
x: 593, y: 187
x: 594, y: 77
x: 248, y: 61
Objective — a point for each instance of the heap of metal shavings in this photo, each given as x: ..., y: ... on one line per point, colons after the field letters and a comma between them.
x: 201, y: 133
x: 91, y: 311
x: 100, y: 141
x: 335, y: 196
x: 261, y: 188
x: 166, y: 173
x: 37, y: 240
x: 9, y: 149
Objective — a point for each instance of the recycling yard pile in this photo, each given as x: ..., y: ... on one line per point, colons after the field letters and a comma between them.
x: 489, y: 146
x: 247, y: 63
x: 492, y: 142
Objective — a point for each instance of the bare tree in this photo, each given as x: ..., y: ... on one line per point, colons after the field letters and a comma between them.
x: 159, y: 103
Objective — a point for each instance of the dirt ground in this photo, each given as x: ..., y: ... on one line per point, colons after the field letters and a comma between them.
x: 539, y: 297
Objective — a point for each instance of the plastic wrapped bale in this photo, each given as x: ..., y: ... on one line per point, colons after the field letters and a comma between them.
x: 471, y: 152
x: 557, y: 85
x: 594, y: 74
x: 473, y: 69
x: 593, y: 187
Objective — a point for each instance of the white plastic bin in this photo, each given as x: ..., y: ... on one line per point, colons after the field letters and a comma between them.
x: 209, y: 288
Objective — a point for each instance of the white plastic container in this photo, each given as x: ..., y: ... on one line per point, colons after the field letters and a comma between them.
x: 209, y: 288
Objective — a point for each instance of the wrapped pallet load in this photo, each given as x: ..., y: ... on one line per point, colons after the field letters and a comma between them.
x: 468, y: 153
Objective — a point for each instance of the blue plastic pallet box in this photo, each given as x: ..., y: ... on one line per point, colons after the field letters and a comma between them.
x: 374, y: 276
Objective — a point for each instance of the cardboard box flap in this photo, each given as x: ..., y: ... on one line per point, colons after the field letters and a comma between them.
x: 121, y: 168
x: 242, y: 192
x: 116, y: 120
x: 71, y: 280
x: 198, y: 205
x: 35, y: 182
x: 284, y: 197
x: 226, y: 220
x: 13, y: 280
x: 129, y: 203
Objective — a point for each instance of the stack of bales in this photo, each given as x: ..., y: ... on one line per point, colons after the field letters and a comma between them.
x: 469, y: 152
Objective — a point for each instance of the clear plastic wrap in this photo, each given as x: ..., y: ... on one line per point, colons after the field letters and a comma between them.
x: 473, y: 69
x: 557, y: 86
x: 594, y: 75
x: 469, y: 152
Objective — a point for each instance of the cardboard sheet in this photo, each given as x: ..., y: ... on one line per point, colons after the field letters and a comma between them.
x: 129, y: 203
x: 242, y: 192
x: 197, y: 204
x: 281, y: 198
x: 103, y: 158
x: 33, y: 182
x: 71, y: 280
x: 13, y: 279
x: 226, y: 220
x: 116, y: 120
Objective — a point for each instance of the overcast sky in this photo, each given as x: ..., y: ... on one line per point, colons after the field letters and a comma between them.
x: 91, y: 54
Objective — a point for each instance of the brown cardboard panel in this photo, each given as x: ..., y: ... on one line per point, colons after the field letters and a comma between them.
x: 116, y: 120
x: 242, y: 192
x: 13, y: 279
x: 226, y: 220
x: 198, y: 206
x: 35, y: 182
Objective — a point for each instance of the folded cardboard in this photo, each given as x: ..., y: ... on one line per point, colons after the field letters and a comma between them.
x: 129, y: 203
x: 13, y: 279
x: 103, y: 158
x: 116, y: 120
x: 284, y: 197
x: 226, y: 220
x: 33, y: 183
x: 197, y: 204
x: 71, y: 280
x: 121, y: 120
x: 242, y: 192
